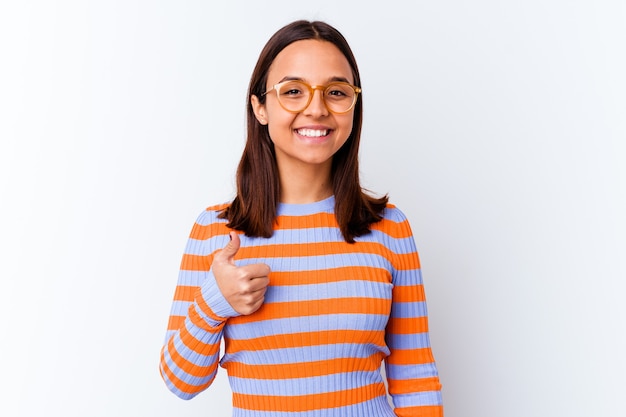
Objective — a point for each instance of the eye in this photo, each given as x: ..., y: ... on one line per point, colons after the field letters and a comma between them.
x: 339, y: 91
x: 336, y: 92
x: 292, y: 91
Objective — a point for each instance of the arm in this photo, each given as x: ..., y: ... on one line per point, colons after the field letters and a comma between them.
x: 190, y: 354
x: 411, y: 371
x: 211, y: 288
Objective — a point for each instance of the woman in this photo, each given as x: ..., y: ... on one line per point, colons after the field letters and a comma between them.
x: 310, y: 282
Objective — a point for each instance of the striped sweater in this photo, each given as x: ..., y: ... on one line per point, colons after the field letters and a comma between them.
x: 332, y: 313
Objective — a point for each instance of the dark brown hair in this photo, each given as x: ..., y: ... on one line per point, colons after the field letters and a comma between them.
x: 258, y: 189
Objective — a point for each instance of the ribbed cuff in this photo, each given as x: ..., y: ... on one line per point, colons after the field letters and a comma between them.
x: 212, y: 296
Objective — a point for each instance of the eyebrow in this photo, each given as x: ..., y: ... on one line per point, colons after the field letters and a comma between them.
x: 330, y: 80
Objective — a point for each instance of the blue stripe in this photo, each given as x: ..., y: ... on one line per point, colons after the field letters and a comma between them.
x: 427, y: 370
x: 303, y: 354
x: 180, y: 308
x: 168, y: 334
x: 197, y: 247
x: 394, y: 214
x: 327, y: 291
x: 191, y: 278
x: 306, y: 386
x: 322, y: 262
x: 378, y: 407
x: 408, y: 341
x: 407, y: 277
x: 323, y: 206
x: 208, y: 217
x: 418, y: 398
x: 398, y: 246
x: 409, y: 310
x: 292, y: 325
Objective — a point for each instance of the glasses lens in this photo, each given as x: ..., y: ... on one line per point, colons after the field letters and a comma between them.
x: 294, y: 96
x: 339, y: 97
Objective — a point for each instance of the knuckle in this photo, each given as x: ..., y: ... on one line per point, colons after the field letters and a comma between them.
x: 242, y: 274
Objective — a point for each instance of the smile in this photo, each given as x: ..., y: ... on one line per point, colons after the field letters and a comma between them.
x: 313, y: 133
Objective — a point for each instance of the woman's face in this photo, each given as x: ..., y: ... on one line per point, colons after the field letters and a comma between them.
x: 312, y: 136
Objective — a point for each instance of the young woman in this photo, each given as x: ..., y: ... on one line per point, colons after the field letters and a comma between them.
x: 310, y: 282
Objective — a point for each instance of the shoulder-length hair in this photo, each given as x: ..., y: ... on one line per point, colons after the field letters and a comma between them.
x: 254, y: 209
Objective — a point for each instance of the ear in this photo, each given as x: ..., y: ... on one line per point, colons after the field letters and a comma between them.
x: 259, y: 110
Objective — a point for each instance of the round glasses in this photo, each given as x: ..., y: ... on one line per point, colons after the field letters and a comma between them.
x: 295, y: 96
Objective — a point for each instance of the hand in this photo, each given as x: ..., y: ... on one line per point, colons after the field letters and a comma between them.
x: 242, y: 286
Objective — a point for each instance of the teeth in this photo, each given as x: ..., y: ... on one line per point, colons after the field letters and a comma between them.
x: 312, y: 132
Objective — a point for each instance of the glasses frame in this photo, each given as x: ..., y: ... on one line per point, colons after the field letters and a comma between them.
x: 312, y: 88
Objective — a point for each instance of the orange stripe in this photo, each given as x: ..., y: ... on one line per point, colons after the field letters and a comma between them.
x: 297, y: 403
x: 324, y: 276
x: 409, y: 294
x: 407, y: 261
x: 404, y: 386
x: 393, y: 229
x: 292, y: 250
x: 185, y: 293
x: 175, y: 322
x: 303, y: 369
x: 325, y: 337
x: 196, y: 262
x: 356, y: 305
x: 410, y: 356
x: 422, y: 411
x: 408, y: 325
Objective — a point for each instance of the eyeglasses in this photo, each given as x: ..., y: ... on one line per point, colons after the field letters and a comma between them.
x: 295, y: 96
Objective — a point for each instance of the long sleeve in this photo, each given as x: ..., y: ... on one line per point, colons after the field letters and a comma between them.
x: 190, y: 354
x: 411, y: 372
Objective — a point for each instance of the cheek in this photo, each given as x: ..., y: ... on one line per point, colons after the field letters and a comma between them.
x: 345, y: 124
x: 280, y: 125
x: 279, y: 118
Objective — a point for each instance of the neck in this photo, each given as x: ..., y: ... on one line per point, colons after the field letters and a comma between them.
x: 304, y: 185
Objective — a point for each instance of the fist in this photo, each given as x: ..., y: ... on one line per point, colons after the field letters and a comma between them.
x: 243, y: 286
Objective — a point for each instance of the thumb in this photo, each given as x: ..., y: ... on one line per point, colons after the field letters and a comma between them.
x: 227, y: 254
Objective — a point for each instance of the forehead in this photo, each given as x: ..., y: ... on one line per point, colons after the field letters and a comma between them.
x: 311, y: 60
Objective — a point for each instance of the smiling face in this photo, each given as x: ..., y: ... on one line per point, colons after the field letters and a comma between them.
x: 311, y: 137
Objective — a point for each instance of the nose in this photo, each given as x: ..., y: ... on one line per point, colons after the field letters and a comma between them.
x: 317, y: 106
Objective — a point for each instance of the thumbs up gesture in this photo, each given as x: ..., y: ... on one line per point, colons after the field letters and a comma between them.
x: 243, y: 286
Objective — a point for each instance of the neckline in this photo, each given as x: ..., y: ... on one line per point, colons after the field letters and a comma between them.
x: 289, y: 209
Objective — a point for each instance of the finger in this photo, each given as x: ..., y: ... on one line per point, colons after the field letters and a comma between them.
x: 230, y: 250
x: 250, y: 307
x: 258, y: 284
x: 256, y: 270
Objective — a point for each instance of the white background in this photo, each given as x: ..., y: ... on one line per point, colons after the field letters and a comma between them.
x: 499, y: 128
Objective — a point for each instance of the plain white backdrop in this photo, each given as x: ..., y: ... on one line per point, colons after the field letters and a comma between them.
x: 499, y: 128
